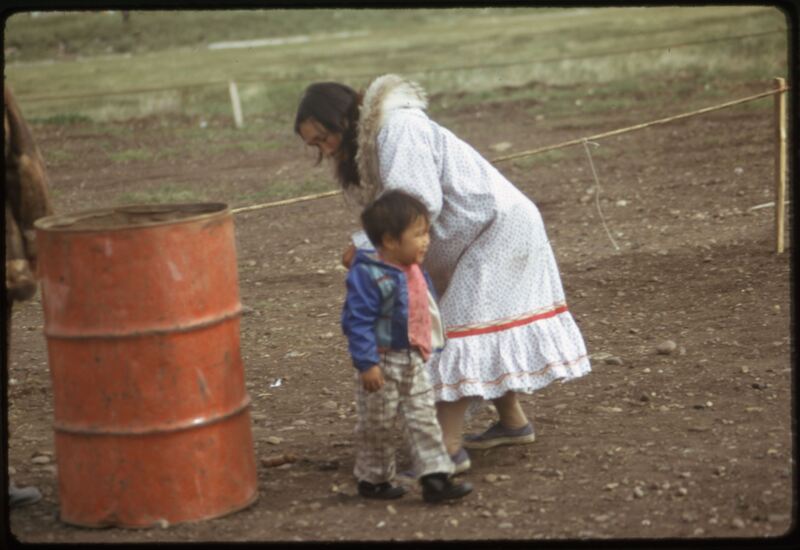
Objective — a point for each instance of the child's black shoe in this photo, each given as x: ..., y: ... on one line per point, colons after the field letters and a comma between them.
x: 382, y: 491
x: 439, y: 487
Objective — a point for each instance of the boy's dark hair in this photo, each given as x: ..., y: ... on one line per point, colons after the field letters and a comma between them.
x: 391, y: 214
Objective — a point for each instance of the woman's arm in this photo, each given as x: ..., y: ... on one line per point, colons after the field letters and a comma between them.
x: 408, y: 160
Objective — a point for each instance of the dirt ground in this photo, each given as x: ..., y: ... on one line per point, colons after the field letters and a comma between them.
x: 696, y: 443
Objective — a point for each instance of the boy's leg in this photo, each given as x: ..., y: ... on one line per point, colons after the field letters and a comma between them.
x: 377, y: 411
x: 422, y: 429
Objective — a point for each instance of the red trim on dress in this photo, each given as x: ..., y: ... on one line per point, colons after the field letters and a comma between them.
x: 508, y: 325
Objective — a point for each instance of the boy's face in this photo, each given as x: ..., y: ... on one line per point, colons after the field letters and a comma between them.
x: 412, y: 245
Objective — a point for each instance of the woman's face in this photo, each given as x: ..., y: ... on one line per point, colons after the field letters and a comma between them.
x: 316, y: 135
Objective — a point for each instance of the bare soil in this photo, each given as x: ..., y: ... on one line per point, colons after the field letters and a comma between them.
x: 694, y: 443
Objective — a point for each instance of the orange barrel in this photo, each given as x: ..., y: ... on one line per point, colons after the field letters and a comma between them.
x: 152, y: 420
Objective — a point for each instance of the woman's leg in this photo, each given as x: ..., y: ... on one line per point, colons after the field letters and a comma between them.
x: 451, y: 418
x: 511, y: 414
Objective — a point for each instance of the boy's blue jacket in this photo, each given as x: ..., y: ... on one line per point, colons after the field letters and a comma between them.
x: 375, y: 312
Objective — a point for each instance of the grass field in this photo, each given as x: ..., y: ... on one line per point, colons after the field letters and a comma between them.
x: 600, y: 56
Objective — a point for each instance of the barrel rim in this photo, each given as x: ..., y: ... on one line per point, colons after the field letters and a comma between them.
x: 62, y: 222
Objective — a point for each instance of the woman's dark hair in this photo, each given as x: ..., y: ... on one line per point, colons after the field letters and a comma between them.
x: 391, y: 214
x: 336, y: 107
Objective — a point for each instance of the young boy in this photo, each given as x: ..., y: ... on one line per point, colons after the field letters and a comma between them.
x: 391, y: 322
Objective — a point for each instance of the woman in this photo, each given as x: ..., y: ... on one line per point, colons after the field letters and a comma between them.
x: 507, y: 325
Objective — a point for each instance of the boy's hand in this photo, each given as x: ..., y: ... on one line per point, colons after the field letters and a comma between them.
x: 372, y: 379
x: 348, y: 255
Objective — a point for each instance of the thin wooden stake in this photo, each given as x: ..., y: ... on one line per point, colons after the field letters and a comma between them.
x: 780, y: 164
x: 236, y: 104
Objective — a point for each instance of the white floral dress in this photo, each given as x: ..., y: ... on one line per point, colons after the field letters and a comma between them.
x: 506, y: 320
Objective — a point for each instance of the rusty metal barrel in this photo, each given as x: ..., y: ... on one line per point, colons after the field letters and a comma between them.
x: 151, y: 414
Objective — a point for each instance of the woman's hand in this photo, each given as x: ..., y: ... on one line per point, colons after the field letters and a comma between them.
x: 372, y: 379
x: 347, y: 257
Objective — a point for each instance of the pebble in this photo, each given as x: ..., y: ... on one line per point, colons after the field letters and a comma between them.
x: 41, y: 459
x: 391, y: 509
x: 501, y: 513
x: 737, y: 523
x: 300, y: 422
x: 486, y: 513
x: 638, y: 492
x: 666, y: 347
x: 491, y: 478
x: 744, y: 369
x: 601, y: 518
x: 330, y: 405
x: 613, y: 361
x: 453, y: 522
x: 274, y: 440
x: 381, y: 524
x: 500, y: 147
x: 506, y: 525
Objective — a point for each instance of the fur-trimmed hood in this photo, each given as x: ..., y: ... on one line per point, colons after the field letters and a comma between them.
x: 385, y: 94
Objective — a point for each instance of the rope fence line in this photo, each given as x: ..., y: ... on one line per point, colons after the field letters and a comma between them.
x: 639, y: 126
x: 266, y: 79
x: 780, y: 175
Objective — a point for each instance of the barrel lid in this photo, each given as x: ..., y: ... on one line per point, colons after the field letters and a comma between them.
x: 130, y: 216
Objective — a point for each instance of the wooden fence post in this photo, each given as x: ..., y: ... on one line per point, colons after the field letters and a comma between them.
x: 237, y: 105
x: 780, y: 164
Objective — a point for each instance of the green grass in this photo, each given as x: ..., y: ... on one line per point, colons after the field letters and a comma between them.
x: 279, y: 190
x: 131, y: 155
x: 167, y: 193
x: 548, y: 47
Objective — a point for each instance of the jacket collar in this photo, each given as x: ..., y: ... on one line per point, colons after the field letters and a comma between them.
x: 385, y: 94
x: 364, y: 256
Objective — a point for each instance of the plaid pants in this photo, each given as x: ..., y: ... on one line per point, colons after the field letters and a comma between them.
x: 407, y: 390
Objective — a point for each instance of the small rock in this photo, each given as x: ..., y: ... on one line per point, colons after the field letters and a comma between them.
x: 666, y: 347
x: 504, y: 477
x: 41, y: 459
x: 501, y: 513
x: 506, y: 525
x: 274, y: 440
x: 613, y: 361
x: 602, y: 518
x: 744, y: 369
x: 164, y: 524
x: 500, y: 147
x: 330, y: 405
x: 381, y: 524
x: 486, y: 513
x: 611, y: 486
x: 453, y: 522
x: 644, y: 398
x: 738, y: 170
x: 300, y: 422
x: 391, y: 509
x: 737, y: 523
x: 638, y: 492
x: 491, y: 478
